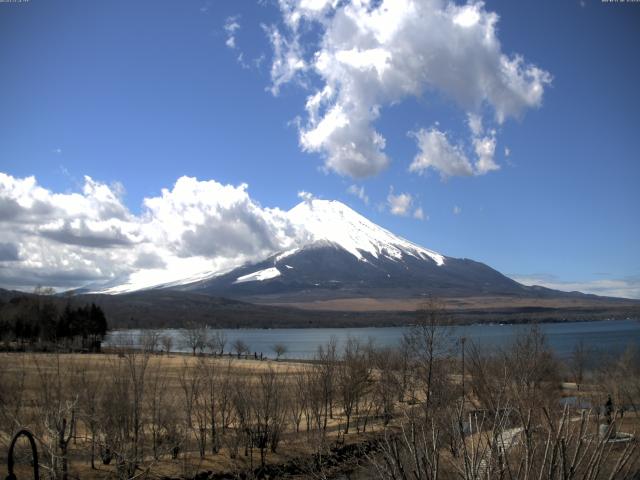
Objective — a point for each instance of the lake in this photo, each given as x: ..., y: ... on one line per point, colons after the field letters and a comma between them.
x: 608, y: 336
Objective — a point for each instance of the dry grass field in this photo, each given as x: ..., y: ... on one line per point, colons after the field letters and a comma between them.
x: 33, y: 379
x: 137, y: 413
x: 457, y: 304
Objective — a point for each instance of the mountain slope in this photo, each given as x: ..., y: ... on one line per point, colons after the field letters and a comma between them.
x: 339, y: 254
x: 344, y: 255
x: 323, y: 270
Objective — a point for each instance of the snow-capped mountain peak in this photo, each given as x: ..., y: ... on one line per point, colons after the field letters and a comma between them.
x: 316, y: 223
x: 333, y: 221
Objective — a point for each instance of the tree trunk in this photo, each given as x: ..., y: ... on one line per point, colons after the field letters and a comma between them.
x: 93, y: 449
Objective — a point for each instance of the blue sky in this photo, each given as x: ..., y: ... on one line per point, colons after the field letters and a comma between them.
x: 137, y: 94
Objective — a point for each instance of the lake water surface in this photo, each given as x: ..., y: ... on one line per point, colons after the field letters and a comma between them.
x: 608, y: 336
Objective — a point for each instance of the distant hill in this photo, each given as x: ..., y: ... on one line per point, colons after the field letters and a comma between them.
x: 164, y: 309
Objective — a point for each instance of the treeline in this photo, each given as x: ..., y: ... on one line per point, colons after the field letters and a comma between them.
x: 42, y: 322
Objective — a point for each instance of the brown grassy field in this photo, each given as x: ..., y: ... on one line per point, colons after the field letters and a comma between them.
x: 34, y: 369
x: 458, y: 304
x: 145, y: 414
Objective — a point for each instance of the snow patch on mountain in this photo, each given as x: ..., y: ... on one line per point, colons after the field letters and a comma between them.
x: 154, y: 280
x: 259, y: 276
x: 286, y: 254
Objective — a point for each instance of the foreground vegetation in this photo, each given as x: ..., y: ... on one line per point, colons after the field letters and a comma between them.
x: 435, y: 407
x: 42, y: 322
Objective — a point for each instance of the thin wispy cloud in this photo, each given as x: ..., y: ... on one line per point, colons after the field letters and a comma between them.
x: 359, y: 192
x: 231, y: 26
x: 306, y: 196
x: 612, y: 287
x: 399, y: 204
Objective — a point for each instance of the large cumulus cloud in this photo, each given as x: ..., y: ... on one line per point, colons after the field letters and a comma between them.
x: 90, y: 237
x: 372, y: 54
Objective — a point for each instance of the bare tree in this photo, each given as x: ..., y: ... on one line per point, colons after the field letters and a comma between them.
x: 297, y: 399
x: 430, y: 342
x: 279, y: 349
x: 629, y: 365
x: 353, y: 378
x: 123, y: 412
x: 489, y: 379
x: 150, y: 341
x: 218, y: 342
x: 240, y: 347
x: 58, y: 407
x: 167, y: 343
x: 264, y: 413
x: 327, y: 359
x: 320, y: 387
x: 189, y: 386
x: 533, y: 369
x: 196, y: 338
x: 161, y: 410
x: 211, y: 392
x: 13, y: 411
x: 620, y: 378
x: 388, y: 363
x: 91, y: 389
x: 225, y: 397
x: 201, y: 406
x: 244, y: 418
x: 514, y: 438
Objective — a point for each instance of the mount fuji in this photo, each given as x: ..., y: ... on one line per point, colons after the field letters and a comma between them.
x: 344, y: 270
x: 344, y: 255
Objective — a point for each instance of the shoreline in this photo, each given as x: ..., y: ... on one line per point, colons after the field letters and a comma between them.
x: 384, y: 326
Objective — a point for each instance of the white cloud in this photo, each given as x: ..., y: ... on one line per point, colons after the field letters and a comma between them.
x: 209, y: 219
x: 359, y: 192
x: 612, y: 287
x: 399, y: 204
x: 72, y: 239
x: 287, y: 58
x: 306, y: 196
x: 457, y: 210
x: 231, y: 26
x: 419, y: 214
x: 371, y: 55
x: 485, y: 148
x: 474, y: 121
x: 436, y: 152
x: 507, y: 151
x: 64, y: 239
x: 241, y: 61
